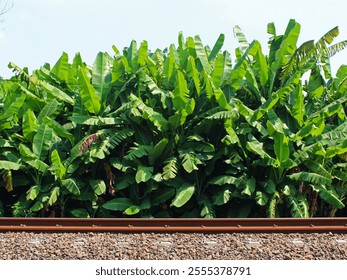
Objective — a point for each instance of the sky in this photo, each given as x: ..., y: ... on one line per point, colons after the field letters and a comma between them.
x: 37, y: 31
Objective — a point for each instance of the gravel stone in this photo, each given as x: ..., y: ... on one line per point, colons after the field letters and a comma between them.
x: 173, y: 246
x: 298, y: 243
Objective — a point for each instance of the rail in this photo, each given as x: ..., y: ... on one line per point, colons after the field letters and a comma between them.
x: 174, y: 225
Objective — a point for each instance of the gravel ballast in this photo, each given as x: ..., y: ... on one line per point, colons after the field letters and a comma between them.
x: 173, y: 246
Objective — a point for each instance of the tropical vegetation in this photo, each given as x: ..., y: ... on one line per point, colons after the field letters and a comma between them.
x: 180, y: 132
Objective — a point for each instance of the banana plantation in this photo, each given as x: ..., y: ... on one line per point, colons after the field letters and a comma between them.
x: 188, y: 131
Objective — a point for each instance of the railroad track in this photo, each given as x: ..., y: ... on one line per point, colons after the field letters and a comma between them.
x: 174, y: 225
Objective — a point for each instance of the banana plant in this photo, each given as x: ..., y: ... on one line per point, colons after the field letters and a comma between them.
x: 283, y: 114
x: 180, y: 132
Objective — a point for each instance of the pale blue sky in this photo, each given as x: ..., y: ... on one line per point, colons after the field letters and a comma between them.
x: 38, y: 31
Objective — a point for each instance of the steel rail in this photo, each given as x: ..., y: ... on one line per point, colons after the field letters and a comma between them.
x: 174, y: 225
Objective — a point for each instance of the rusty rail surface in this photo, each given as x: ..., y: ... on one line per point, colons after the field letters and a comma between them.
x: 174, y: 225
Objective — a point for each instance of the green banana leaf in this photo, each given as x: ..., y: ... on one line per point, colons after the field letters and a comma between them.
x: 91, y: 99
x: 118, y: 204
x: 61, y: 69
x: 102, y: 75
x: 183, y: 195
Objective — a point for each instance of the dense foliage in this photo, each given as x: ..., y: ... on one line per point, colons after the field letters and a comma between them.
x: 180, y: 132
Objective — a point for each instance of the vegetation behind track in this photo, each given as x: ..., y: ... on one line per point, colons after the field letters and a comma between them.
x: 179, y: 132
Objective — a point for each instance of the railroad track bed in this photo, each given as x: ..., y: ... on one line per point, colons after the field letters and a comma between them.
x: 151, y: 239
x: 167, y: 246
